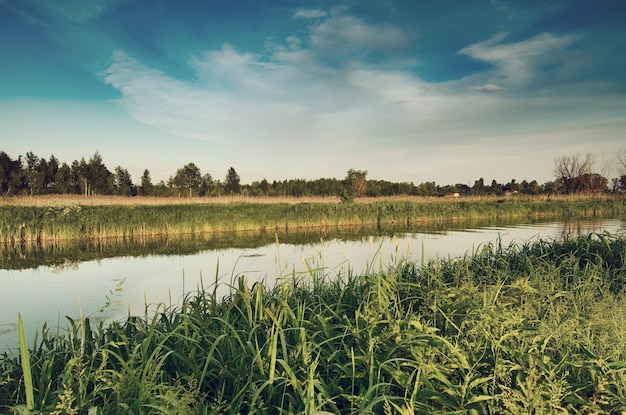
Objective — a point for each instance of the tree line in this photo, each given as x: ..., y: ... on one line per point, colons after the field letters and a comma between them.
x: 34, y: 175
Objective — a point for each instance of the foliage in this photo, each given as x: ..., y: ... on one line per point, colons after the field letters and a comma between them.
x: 357, y: 181
x: 520, y: 329
x: 232, y: 182
x: 123, y: 183
x: 189, y: 179
x: 35, y: 175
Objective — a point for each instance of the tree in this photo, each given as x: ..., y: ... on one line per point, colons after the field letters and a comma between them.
x: 479, y: 187
x: 357, y: 181
x: 34, y: 177
x: 123, y: 183
x: 621, y: 163
x: 78, y: 177
x: 495, y: 188
x: 570, y: 171
x: 99, y: 178
x: 63, y: 180
x: 11, y: 177
x: 50, y: 174
x: 146, y: 183
x: 206, y: 185
x: 188, y: 178
x: 232, y: 182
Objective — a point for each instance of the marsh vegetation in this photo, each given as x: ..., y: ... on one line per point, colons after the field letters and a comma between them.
x: 531, y: 328
x: 27, y: 223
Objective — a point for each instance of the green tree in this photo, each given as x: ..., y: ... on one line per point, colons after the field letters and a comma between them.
x: 147, y: 187
x: 123, y: 183
x: 35, y: 178
x: 50, y: 171
x: 207, y: 185
x: 78, y: 177
x: 188, y: 179
x: 63, y: 180
x: 495, y: 188
x: 479, y: 187
x: 11, y: 175
x: 232, y: 182
x: 99, y: 178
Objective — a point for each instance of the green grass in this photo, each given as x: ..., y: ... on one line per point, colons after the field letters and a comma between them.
x: 63, y: 253
x: 31, y: 223
x: 523, y: 329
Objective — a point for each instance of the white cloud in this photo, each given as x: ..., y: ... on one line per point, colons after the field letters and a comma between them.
x: 309, y: 14
x: 344, y: 34
x: 519, y: 64
x: 488, y: 88
x: 291, y: 101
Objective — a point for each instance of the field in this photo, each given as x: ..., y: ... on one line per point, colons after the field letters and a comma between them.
x: 533, y: 329
x: 40, y: 219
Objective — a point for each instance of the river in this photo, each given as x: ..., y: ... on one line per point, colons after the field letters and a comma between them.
x: 112, y: 287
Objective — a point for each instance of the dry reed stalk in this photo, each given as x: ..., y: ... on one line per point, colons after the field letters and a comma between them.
x: 64, y: 200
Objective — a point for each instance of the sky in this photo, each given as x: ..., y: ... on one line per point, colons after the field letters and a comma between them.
x: 416, y: 91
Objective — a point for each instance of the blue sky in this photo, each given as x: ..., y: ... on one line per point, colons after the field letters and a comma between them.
x: 409, y: 90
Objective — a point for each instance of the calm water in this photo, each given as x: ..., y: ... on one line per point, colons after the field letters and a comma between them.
x: 49, y: 293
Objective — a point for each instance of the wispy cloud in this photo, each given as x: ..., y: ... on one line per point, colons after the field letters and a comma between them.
x: 309, y: 14
x: 293, y: 97
x: 487, y: 88
x: 74, y: 11
x: 518, y: 64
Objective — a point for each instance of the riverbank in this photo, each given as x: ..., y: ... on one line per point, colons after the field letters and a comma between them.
x: 95, y: 200
x: 537, y: 328
x: 34, y: 223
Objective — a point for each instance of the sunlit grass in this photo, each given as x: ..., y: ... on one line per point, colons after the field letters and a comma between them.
x: 533, y: 328
x: 95, y: 200
x: 20, y: 224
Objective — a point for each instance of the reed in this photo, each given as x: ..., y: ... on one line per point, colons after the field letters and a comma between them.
x: 531, y: 328
x: 20, y: 224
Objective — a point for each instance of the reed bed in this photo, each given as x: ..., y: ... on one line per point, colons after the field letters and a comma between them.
x: 33, y: 223
x: 521, y: 329
x: 97, y: 200
x: 67, y: 253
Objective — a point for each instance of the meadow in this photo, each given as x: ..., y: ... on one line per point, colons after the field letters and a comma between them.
x: 39, y: 219
x: 535, y: 328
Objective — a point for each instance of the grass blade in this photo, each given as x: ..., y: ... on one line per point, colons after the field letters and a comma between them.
x: 25, y: 359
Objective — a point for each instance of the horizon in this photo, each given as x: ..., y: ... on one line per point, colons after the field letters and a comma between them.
x: 409, y: 91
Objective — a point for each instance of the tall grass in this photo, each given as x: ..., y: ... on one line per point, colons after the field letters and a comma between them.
x: 63, y: 253
x: 30, y: 223
x: 522, y: 329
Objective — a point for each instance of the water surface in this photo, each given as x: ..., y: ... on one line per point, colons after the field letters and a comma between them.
x: 73, y: 287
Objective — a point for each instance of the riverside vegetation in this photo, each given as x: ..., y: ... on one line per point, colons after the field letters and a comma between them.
x: 60, y: 254
x: 27, y: 223
x: 532, y: 328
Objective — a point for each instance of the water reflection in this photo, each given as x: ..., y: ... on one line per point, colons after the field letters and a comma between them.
x: 108, y: 279
x: 61, y: 255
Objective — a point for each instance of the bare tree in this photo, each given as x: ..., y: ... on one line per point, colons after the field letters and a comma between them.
x: 621, y: 166
x: 571, y: 171
x: 621, y: 162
